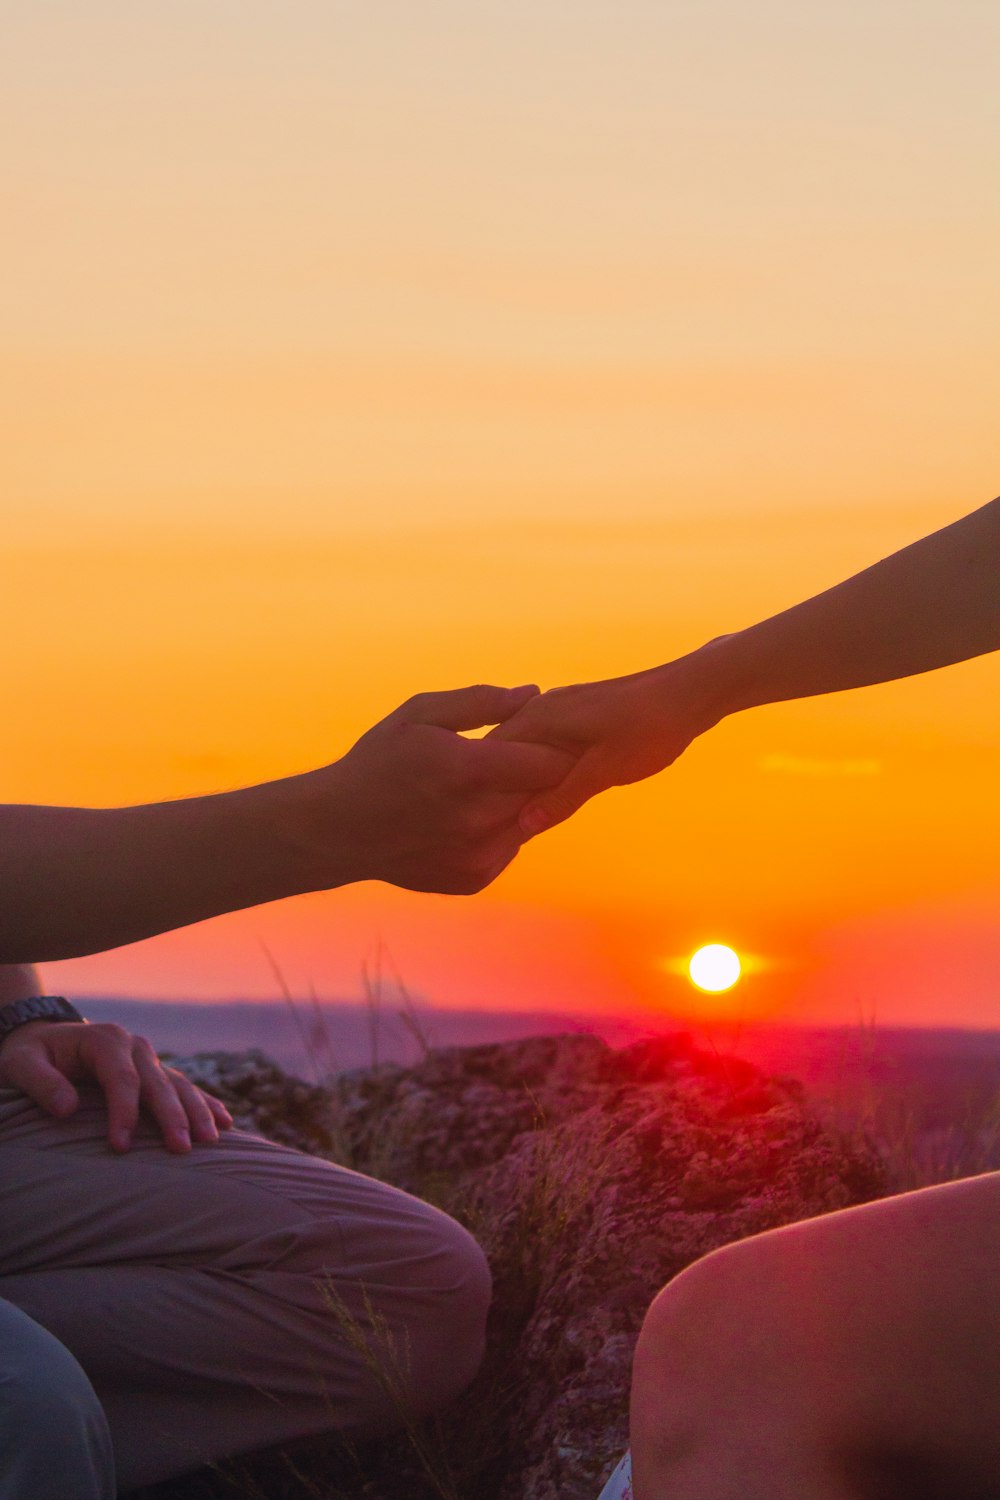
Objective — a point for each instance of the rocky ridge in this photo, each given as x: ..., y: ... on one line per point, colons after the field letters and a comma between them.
x: 591, y: 1176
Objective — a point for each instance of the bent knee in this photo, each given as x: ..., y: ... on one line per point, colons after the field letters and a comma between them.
x: 433, y: 1256
x: 707, y: 1291
x: 450, y: 1303
x: 462, y: 1269
x: 780, y: 1319
x: 420, y: 1285
x: 733, y: 1316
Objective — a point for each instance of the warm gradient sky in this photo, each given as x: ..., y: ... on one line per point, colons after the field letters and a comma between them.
x: 355, y: 349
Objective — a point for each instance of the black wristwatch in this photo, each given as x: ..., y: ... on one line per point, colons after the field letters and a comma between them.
x: 35, y: 1008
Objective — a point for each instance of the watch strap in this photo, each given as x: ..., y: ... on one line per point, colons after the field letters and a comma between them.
x: 35, y: 1008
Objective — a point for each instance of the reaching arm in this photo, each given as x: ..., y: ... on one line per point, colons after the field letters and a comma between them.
x: 934, y: 603
x: 414, y: 803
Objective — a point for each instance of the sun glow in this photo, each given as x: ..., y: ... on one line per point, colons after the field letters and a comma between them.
x: 714, y: 968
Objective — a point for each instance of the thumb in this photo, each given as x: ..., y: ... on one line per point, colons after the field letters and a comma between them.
x: 33, y: 1073
x: 585, y: 780
x: 468, y: 708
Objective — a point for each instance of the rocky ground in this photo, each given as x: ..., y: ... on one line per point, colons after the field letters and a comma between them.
x: 591, y: 1177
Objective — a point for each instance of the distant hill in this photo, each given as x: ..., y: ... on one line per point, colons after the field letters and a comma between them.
x: 333, y: 1037
x: 944, y: 1075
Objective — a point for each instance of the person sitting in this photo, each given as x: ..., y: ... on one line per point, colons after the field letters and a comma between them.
x: 174, y: 1292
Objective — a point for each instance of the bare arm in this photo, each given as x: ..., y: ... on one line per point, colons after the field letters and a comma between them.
x: 76, y: 880
x: 414, y: 803
x: 934, y: 603
x: 931, y: 604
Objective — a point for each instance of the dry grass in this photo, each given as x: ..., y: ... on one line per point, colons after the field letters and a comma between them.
x: 917, y: 1155
x: 890, y: 1114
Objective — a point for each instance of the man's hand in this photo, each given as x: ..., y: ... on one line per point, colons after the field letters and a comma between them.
x: 617, y: 731
x: 419, y: 805
x: 43, y: 1057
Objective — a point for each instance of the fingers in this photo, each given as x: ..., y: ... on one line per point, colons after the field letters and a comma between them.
x: 220, y: 1114
x: 206, y: 1116
x: 467, y: 708
x: 565, y: 718
x: 588, y: 777
x: 39, y: 1061
x: 31, y: 1071
x: 518, y: 767
x: 132, y: 1076
x: 160, y: 1097
x: 181, y: 1110
x: 109, y: 1052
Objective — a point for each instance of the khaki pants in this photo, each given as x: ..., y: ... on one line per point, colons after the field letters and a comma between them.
x: 241, y: 1296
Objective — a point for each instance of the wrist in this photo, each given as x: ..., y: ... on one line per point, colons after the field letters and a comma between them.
x: 307, y: 827
x: 709, y: 684
x: 31, y: 1011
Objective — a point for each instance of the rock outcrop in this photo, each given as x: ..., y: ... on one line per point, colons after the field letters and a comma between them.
x: 591, y: 1177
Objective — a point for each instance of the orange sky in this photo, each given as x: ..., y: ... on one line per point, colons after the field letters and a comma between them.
x: 349, y: 353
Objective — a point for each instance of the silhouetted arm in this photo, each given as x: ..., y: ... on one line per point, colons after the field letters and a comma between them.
x: 931, y: 604
x: 413, y: 803
x: 934, y: 603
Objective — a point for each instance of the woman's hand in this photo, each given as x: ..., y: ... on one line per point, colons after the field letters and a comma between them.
x: 43, y: 1057
x: 617, y: 731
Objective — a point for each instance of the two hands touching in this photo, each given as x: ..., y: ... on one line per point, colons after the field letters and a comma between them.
x: 418, y: 804
x: 430, y: 809
x: 613, y: 732
x: 415, y: 803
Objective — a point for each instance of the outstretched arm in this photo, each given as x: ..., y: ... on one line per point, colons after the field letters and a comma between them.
x: 414, y: 803
x: 934, y: 603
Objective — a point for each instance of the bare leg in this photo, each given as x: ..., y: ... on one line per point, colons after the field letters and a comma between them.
x: 851, y: 1357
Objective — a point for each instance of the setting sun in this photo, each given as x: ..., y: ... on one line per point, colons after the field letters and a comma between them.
x: 714, y: 968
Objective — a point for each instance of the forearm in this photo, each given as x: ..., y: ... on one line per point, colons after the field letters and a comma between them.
x: 932, y: 604
x: 80, y: 880
x: 413, y: 803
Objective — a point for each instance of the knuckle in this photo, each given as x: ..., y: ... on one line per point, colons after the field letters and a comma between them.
x: 110, y: 1031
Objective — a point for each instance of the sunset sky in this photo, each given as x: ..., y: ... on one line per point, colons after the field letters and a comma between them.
x: 351, y: 350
